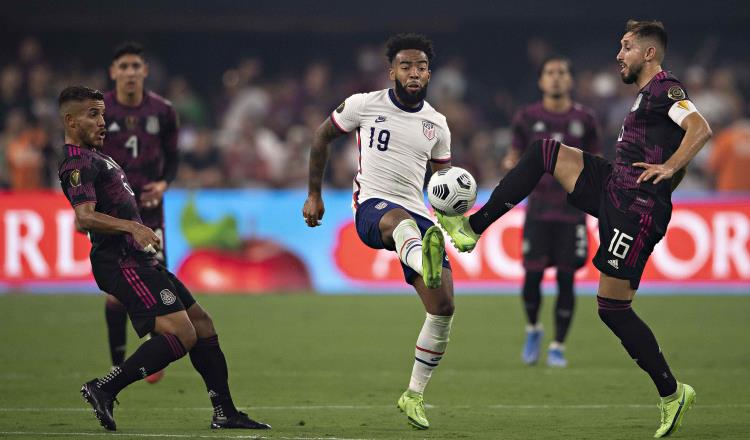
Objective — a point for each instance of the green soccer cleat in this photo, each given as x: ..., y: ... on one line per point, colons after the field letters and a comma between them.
x: 412, y: 404
x: 433, y: 251
x: 459, y: 230
x: 674, y: 411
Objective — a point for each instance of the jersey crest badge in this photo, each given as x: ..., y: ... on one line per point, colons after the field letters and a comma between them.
x: 152, y: 125
x: 75, y: 178
x: 576, y: 128
x: 676, y: 93
x: 167, y: 297
x: 428, y: 129
x: 539, y: 127
x: 131, y: 122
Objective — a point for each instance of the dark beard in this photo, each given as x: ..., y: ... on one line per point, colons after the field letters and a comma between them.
x: 409, y: 98
x: 632, y: 77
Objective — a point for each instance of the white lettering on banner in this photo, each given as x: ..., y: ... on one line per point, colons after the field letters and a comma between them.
x: 502, y: 264
x: 731, y: 233
x: 28, y: 245
x: 696, y: 227
x: 67, y: 265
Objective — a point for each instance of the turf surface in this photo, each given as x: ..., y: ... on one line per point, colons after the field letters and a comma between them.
x: 333, y: 367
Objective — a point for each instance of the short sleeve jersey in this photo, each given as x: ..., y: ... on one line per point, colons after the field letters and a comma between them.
x: 576, y: 127
x: 651, y: 133
x: 90, y: 176
x: 395, y: 145
x: 138, y: 138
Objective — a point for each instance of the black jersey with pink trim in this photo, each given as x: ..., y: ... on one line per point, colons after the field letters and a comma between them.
x: 90, y: 176
x: 648, y: 135
x: 577, y: 127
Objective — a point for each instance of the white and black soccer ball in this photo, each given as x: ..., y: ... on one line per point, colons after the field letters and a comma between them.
x: 452, y: 191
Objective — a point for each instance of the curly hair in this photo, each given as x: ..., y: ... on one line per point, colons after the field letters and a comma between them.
x: 405, y: 41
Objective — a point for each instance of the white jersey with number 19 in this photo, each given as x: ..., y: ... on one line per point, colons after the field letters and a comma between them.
x: 395, y: 144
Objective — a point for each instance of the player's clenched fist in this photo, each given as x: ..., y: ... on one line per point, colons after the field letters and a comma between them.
x: 313, y: 211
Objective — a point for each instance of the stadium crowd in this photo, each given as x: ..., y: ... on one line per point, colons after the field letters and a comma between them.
x: 256, y: 132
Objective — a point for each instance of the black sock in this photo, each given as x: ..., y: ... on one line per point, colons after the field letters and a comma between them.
x: 540, y: 157
x: 117, y: 320
x: 532, y: 296
x: 565, y: 305
x: 639, y: 342
x: 152, y: 356
x: 209, y: 361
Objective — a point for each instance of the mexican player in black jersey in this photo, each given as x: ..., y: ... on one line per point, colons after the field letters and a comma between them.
x: 142, y: 139
x: 124, y: 265
x: 554, y: 232
x: 631, y: 197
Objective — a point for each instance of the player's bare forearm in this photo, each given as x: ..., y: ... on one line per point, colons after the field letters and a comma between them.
x: 319, y: 155
x: 697, y: 133
x: 93, y: 221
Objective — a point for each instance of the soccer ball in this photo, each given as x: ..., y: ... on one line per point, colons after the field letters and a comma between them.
x: 452, y: 191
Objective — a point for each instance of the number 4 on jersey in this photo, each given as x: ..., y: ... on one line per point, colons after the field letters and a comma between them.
x: 132, y: 143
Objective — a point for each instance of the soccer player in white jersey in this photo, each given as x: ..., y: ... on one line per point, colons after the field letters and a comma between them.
x: 398, y: 134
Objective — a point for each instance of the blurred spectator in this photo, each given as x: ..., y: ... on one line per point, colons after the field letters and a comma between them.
x: 187, y: 104
x: 730, y: 158
x: 201, y: 166
x: 261, y: 122
x: 27, y: 149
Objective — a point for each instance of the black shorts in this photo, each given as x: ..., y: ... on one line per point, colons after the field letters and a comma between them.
x: 630, y: 225
x: 145, y: 291
x: 563, y: 245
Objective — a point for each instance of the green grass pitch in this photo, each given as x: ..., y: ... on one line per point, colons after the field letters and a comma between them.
x: 333, y: 366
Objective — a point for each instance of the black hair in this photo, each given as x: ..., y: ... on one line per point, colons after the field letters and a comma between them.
x: 127, y: 48
x: 405, y: 41
x: 79, y: 94
x: 555, y: 57
x: 648, y: 29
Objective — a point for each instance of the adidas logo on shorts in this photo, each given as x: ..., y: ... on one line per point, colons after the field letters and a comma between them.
x: 614, y: 263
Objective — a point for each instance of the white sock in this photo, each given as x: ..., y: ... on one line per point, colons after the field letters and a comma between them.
x: 409, y: 244
x: 430, y: 348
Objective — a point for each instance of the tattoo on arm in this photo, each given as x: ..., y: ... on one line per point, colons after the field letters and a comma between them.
x: 319, y: 154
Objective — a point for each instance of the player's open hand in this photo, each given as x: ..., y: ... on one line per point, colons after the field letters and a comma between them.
x: 152, y: 194
x: 145, y: 237
x: 313, y: 210
x: 658, y: 172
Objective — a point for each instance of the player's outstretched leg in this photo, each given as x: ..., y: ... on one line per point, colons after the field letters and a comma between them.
x: 209, y: 361
x: 430, y: 348
x: 539, y: 158
x: 153, y: 355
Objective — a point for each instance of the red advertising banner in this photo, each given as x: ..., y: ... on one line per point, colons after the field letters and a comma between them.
x: 708, y: 244
x: 707, y: 241
x: 39, y: 241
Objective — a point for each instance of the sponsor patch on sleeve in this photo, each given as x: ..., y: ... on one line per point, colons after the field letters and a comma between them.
x: 340, y: 108
x: 676, y: 93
